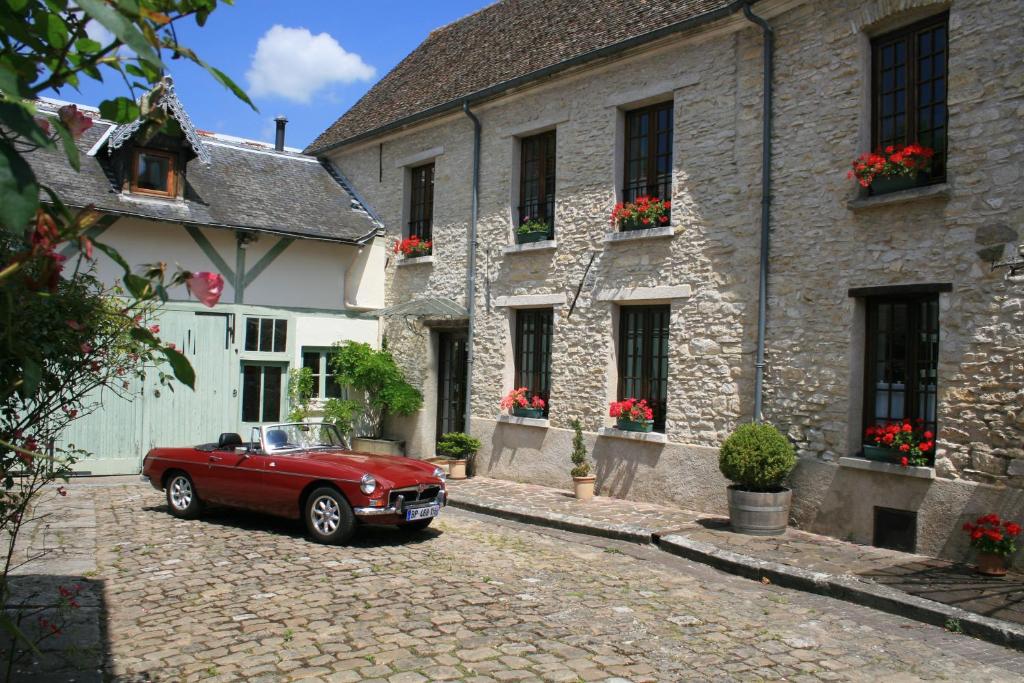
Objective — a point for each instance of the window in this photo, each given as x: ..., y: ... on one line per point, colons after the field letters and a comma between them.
x: 909, y: 89
x: 643, y: 357
x: 319, y: 363
x: 648, y: 153
x: 266, y: 334
x: 533, y: 351
x: 421, y: 202
x: 153, y: 172
x: 261, y: 393
x: 902, y: 359
x: 537, y: 180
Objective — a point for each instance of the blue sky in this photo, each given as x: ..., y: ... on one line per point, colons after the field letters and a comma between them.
x: 312, y: 79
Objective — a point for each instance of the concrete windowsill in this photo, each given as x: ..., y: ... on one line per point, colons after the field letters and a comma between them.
x: 940, y: 191
x: 543, y: 245
x: 416, y: 260
x: 541, y: 422
x: 648, y: 437
x: 663, y: 232
x: 887, y: 468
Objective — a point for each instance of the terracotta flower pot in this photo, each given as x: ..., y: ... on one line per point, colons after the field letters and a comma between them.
x: 991, y: 564
x: 457, y: 469
x: 584, y: 487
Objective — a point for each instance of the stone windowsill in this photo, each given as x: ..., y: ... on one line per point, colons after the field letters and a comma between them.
x: 940, y: 191
x: 541, y: 422
x: 632, y: 235
x: 856, y: 463
x: 416, y: 260
x: 648, y: 437
x: 543, y: 245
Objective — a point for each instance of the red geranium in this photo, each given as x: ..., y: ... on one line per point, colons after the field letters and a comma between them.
x: 517, y: 398
x: 989, y: 534
x: 892, y: 161
x: 647, y: 211
x: 631, y: 409
x: 907, y: 438
x: 413, y: 246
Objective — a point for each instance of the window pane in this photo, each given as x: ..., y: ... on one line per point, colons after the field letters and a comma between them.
x: 252, y: 334
x: 266, y: 334
x: 271, y: 393
x: 643, y: 357
x: 152, y: 172
x: 311, y: 360
x: 421, y: 206
x: 280, y: 335
x: 251, y: 393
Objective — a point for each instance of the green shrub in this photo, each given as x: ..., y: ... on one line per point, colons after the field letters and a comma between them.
x: 342, y: 414
x: 300, y: 393
x: 377, y: 380
x: 457, y: 445
x: 579, y: 452
x: 756, y: 457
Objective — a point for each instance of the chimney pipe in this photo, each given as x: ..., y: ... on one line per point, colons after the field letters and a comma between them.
x: 279, y: 137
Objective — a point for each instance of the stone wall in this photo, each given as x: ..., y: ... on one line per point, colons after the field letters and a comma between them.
x: 820, y: 249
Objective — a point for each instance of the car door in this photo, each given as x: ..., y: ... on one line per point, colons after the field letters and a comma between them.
x: 234, y: 477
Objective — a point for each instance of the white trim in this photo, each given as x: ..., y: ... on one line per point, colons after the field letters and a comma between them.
x: 425, y: 155
x: 541, y: 422
x: 94, y: 150
x: 661, y: 89
x: 648, y: 234
x: 635, y: 294
x: 887, y: 468
x: 415, y: 260
x: 530, y: 301
x: 649, y: 437
x: 543, y: 245
x: 269, y: 152
x: 537, y: 125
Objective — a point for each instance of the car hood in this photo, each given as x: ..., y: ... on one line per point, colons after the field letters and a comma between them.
x: 396, y: 469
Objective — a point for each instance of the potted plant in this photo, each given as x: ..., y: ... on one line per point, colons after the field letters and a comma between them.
x: 994, y: 540
x: 411, y: 247
x: 459, y: 447
x: 906, y: 444
x: 891, y: 169
x: 517, y: 403
x: 379, y: 386
x: 757, y: 458
x: 582, y: 479
x: 632, y: 415
x: 532, y: 230
x: 645, y: 212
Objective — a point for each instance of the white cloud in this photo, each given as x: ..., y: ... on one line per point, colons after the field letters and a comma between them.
x: 98, y: 32
x: 294, y: 64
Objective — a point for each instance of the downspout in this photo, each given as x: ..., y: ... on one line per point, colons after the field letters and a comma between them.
x: 471, y: 266
x: 766, y: 202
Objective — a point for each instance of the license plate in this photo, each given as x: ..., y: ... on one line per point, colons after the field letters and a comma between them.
x: 422, y: 513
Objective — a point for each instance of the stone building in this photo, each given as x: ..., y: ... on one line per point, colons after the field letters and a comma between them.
x: 879, y: 305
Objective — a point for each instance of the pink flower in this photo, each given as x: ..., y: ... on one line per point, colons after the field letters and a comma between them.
x: 207, y: 287
x: 76, y: 122
x: 155, y: 329
x: 86, y: 348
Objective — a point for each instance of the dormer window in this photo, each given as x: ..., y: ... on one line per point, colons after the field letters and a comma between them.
x: 153, y: 172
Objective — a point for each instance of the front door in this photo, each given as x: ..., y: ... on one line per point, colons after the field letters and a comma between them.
x: 451, y: 383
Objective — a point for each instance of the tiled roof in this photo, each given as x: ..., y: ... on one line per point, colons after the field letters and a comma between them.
x: 247, y: 185
x: 509, y: 41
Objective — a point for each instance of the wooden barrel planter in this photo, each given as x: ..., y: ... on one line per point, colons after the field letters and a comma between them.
x: 757, y: 513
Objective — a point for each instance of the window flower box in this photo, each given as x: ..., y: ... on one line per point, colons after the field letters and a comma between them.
x: 535, y: 413
x: 892, y: 169
x: 517, y: 403
x: 634, y: 425
x: 903, y: 443
x: 644, y: 213
x: 879, y: 454
x: 413, y: 247
x: 632, y: 415
x: 533, y: 230
x: 529, y: 237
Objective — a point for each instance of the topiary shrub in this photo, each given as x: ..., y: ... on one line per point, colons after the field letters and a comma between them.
x: 756, y: 457
x: 457, y: 445
x: 579, y: 452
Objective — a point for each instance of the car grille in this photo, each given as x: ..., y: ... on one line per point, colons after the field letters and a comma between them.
x: 412, y: 497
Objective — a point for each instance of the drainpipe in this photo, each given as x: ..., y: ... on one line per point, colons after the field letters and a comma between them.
x: 471, y: 267
x: 766, y: 202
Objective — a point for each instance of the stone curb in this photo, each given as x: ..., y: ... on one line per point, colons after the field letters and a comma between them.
x: 847, y: 588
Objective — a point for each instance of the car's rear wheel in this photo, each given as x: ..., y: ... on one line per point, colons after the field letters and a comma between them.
x: 182, y: 498
x: 328, y: 516
x: 418, y: 525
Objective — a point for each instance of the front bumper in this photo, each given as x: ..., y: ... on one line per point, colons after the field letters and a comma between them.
x: 399, y: 508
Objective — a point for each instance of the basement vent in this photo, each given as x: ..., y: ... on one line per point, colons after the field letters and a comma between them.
x: 895, y: 529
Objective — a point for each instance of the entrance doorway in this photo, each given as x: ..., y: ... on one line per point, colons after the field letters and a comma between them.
x: 451, y: 382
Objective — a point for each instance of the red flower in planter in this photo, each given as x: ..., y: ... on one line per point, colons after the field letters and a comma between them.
x: 892, y: 161
x: 989, y: 534
x: 911, y: 443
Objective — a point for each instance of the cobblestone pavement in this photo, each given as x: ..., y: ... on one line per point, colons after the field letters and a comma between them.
x: 234, y: 596
x: 934, y: 579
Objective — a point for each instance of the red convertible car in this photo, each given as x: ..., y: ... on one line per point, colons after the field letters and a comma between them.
x: 299, y: 470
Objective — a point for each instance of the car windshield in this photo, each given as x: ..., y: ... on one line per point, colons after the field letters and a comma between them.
x: 288, y: 437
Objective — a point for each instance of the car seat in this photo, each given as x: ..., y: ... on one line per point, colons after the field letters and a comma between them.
x: 229, y: 440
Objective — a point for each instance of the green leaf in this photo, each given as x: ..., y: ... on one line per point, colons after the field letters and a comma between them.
x: 56, y: 30
x: 114, y: 256
x: 87, y: 45
x: 119, y: 109
x: 137, y: 286
x: 182, y: 368
x: 225, y: 80
x: 31, y: 376
x: 9, y: 81
x: 127, y: 32
x: 17, y: 116
x: 17, y: 5
x: 18, y: 189
x: 70, y: 148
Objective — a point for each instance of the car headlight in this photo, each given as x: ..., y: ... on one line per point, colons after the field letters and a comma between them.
x: 439, y: 473
x: 367, y: 484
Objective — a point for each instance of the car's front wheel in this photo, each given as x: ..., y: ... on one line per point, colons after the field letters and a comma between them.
x: 181, y: 497
x: 328, y: 516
